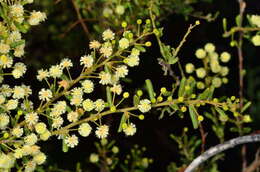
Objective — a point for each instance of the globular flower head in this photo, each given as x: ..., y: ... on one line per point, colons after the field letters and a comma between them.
x: 106, y: 51
x: 108, y: 35
x: 42, y: 74
x: 87, y: 61
x: 30, y: 139
x: 144, y: 105
x: 209, y: 47
x: 36, y: 17
x: 84, y: 129
x: 102, y: 131
x: 225, y: 57
x: 88, y: 105
x: 4, y: 120
x: 105, y: 78
x: 94, y: 44
x: 39, y: 158
x: 73, y: 116
x: 6, y: 61
x: 45, y: 94
x: 66, y: 63
x: 17, y: 132
x: 256, y: 40
x: 129, y: 129
x: 124, y: 43
x: 121, y: 71
x: 201, y: 72
x: 117, y: 89
x: 88, y: 86
x: 200, y: 53
x: 99, y: 105
x: 55, y: 71
x: 71, y: 141
x: 40, y: 127
x: 31, y: 118
x: 255, y: 19
x: 189, y: 67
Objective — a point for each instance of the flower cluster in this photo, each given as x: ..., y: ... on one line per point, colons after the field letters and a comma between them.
x: 212, y: 72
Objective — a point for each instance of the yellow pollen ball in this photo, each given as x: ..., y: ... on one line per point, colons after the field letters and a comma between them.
x: 200, y: 118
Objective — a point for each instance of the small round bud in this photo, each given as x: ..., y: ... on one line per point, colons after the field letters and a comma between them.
x: 186, y: 129
x: 197, y: 22
x: 225, y: 80
x: 189, y: 68
x: 153, y: 100
x: 126, y: 95
x: 225, y: 57
x: 200, y: 118
x: 183, y: 109
x: 225, y: 107
x: 124, y: 24
x: 112, y: 108
x: 193, y: 96
x: 147, y: 21
x: 160, y: 99
x: 247, y: 119
x: 200, y: 85
x: 233, y: 98
x: 141, y: 117
x: 6, y: 135
x: 201, y: 72
x: 20, y: 112
x: 163, y: 90
x: 139, y: 21
x: 256, y: 40
x: 233, y: 43
x: 139, y: 93
x: 236, y: 114
x: 180, y: 99
x: 45, y: 136
x: 169, y: 98
x: 209, y: 47
x: 40, y: 127
x: 115, y: 149
x: 94, y: 158
x: 200, y: 53
x: 104, y: 142
x: 120, y: 9
x: 156, y: 32
x: 124, y: 125
x: 216, y: 82
x: 148, y: 44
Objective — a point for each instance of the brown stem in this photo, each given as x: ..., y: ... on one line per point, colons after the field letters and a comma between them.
x: 71, y: 26
x: 203, y: 138
x: 242, y: 6
x: 255, y: 164
x: 84, y: 26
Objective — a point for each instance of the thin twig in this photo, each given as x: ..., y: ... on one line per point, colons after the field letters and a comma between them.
x: 84, y: 26
x: 240, y: 29
x: 71, y: 26
x: 242, y: 6
x: 255, y: 164
x: 203, y: 138
x: 220, y: 148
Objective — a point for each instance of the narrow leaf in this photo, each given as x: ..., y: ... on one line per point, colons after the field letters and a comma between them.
x: 149, y: 87
x: 193, y: 116
x: 246, y: 106
x: 122, y: 121
x: 65, y: 147
x: 109, y: 96
x: 182, y: 87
